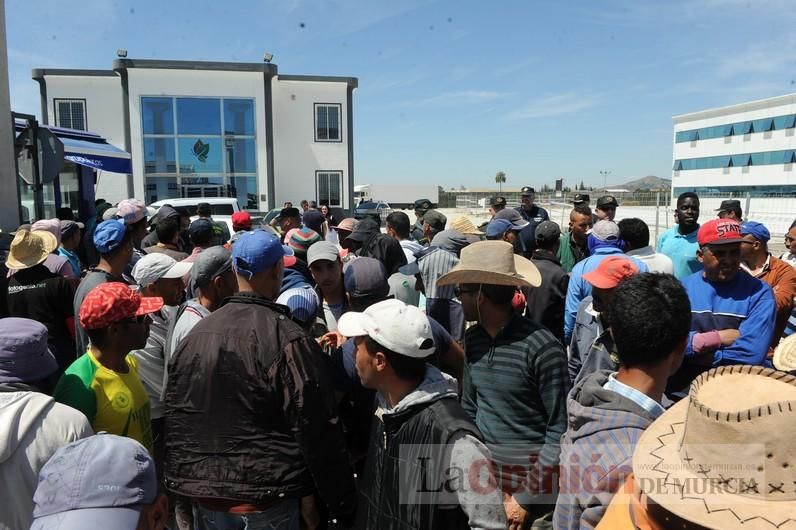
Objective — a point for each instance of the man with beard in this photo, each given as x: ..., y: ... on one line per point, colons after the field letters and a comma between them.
x: 680, y: 241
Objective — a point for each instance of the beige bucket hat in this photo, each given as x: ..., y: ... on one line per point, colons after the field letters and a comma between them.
x: 492, y: 263
x: 465, y: 226
x: 30, y: 248
x: 725, y: 457
x: 785, y: 354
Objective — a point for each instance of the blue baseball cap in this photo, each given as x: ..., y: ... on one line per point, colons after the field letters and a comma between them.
x: 498, y: 227
x: 365, y: 277
x: 302, y: 301
x: 109, y: 235
x: 756, y: 230
x: 102, y: 481
x: 257, y: 251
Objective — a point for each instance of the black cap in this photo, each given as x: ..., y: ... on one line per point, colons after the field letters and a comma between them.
x: 288, y: 212
x: 730, y: 206
x: 435, y: 220
x: 313, y: 219
x: 527, y: 190
x: 547, y: 232
x: 581, y: 198
x: 497, y: 201
x: 607, y: 200
x: 422, y: 204
x: 200, y: 229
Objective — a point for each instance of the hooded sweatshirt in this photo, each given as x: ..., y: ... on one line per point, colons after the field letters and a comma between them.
x: 596, y: 451
x: 32, y: 427
x: 484, y: 509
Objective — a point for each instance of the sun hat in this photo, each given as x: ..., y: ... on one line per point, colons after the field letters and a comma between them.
x: 323, y: 250
x: 724, y: 456
x: 610, y: 272
x: 464, y: 225
x: 241, y: 221
x: 400, y: 328
x: 605, y: 230
x: 756, y: 230
x: 349, y: 223
x: 302, y: 301
x: 52, y: 226
x: 301, y: 239
x: 99, y: 482
x: 513, y: 216
x: 257, y: 251
x: 69, y: 227
x: 108, y: 235
x: 111, y: 302
x: 210, y: 263
x: 719, y: 232
x: 24, y: 354
x: 435, y: 220
x: 785, y: 354
x: 30, y: 248
x: 131, y: 211
x: 492, y: 263
x: 156, y: 266
x: 365, y: 277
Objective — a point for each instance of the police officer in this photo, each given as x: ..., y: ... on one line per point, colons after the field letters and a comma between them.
x: 421, y: 207
x: 534, y: 215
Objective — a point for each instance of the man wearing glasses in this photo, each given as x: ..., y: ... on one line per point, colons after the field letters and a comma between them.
x: 103, y: 383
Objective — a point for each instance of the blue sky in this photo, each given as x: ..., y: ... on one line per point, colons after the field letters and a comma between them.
x: 452, y: 92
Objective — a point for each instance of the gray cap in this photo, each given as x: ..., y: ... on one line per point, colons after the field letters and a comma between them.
x: 323, y: 250
x: 210, y: 263
x: 435, y: 220
x: 98, y: 482
x: 450, y: 240
x: 547, y: 232
x: 513, y: 216
x: 364, y: 277
x: 605, y: 230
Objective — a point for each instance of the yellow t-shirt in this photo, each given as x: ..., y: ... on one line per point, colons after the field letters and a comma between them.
x: 113, y: 402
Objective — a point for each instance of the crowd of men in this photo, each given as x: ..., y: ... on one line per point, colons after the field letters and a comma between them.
x: 158, y: 370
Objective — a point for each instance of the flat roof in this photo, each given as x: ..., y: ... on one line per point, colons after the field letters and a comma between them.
x: 39, y: 73
x: 735, y: 109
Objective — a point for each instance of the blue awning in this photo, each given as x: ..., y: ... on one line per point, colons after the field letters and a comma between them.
x: 101, y: 156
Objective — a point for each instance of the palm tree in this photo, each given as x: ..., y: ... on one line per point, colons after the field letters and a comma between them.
x: 500, y: 178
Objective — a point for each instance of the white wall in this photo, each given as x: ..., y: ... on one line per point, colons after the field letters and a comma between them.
x: 104, y: 116
x: 162, y: 82
x: 296, y: 153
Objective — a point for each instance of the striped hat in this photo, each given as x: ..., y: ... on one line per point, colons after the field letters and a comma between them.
x: 302, y: 301
x: 301, y: 239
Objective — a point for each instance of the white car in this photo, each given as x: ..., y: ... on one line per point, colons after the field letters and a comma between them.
x: 221, y: 208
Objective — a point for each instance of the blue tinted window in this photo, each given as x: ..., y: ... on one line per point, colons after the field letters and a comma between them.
x: 784, y: 122
x: 159, y: 155
x: 198, y: 116
x: 240, y: 156
x: 157, y: 115
x: 239, y: 117
x: 200, y: 155
x: 245, y: 189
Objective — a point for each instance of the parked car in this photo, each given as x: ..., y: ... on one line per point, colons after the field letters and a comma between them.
x: 382, y: 209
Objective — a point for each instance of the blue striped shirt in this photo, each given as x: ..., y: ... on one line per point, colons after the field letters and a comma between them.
x: 639, y: 398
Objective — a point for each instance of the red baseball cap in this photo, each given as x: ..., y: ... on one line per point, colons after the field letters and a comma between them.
x: 611, y: 271
x: 241, y: 221
x: 719, y: 232
x: 111, y: 302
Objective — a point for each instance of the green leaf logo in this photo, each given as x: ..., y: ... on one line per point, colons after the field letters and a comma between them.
x: 201, y: 150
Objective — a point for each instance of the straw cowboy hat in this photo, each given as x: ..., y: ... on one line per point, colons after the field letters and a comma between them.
x: 785, y: 354
x: 30, y: 248
x: 492, y: 263
x: 464, y: 225
x: 725, y: 456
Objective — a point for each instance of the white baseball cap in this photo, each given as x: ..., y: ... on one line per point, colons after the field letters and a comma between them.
x: 398, y: 327
x: 155, y: 266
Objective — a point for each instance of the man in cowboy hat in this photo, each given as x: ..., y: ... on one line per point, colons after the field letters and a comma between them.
x: 719, y: 460
x: 732, y: 313
x: 651, y: 327
x: 515, y: 377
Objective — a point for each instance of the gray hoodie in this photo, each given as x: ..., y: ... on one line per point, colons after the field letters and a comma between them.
x: 596, y: 450
x: 32, y: 427
x: 484, y: 510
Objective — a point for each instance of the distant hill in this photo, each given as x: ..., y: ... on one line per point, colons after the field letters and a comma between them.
x: 646, y: 183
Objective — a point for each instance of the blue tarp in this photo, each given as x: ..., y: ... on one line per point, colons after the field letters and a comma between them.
x: 101, y: 156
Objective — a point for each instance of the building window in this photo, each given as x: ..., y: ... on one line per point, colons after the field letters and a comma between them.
x: 765, y: 158
x: 200, y: 147
x: 70, y: 113
x: 329, y: 188
x: 327, y: 122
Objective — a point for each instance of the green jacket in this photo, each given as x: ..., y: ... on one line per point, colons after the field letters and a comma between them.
x: 569, y: 253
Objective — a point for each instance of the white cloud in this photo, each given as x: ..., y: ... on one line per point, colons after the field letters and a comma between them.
x: 464, y: 97
x: 553, y: 105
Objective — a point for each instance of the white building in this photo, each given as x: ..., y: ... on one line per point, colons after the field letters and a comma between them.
x: 745, y: 150
x: 213, y: 129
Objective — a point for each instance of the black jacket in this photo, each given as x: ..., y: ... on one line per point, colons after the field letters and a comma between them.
x: 385, y: 249
x: 546, y: 302
x: 250, y: 412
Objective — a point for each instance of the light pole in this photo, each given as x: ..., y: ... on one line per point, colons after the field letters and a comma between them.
x: 605, y: 178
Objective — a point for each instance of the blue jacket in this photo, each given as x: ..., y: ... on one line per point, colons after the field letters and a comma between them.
x: 579, y: 288
x: 746, y: 304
